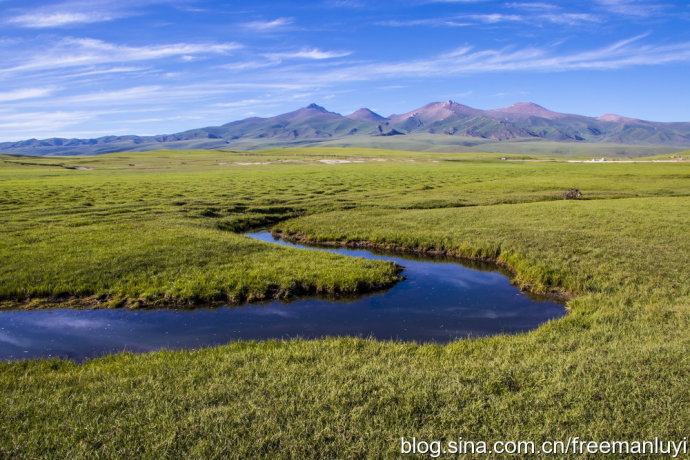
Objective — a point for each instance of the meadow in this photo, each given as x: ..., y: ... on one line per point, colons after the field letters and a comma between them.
x: 162, y: 228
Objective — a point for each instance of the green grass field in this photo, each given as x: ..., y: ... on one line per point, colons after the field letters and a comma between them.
x: 426, y: 142
x: 160, y: 228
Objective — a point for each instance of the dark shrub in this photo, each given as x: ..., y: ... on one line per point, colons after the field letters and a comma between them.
x: 572, y: 194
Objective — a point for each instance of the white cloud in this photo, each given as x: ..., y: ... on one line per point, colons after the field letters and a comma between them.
x: 496, y: 18
x: 262, y: 26
x: 271, y: 100
x: 117, y: 96
x: 467, y: 60
x: 71, y: 52
x: 43, y: 120
x: 571, y: 19
x: 309, y: 53
x: 240, y: 103
x: 247, y: 65
x: 532, y: 6
x: 141, y: 96
x: 426, y: 22
x: 25, y: 93
x: 58, y: 19
x: 630, y: 7
x: 103, y: 71
x: 123, y: 52
x: 45, y: 124
x: 159, y: 119
x: 144, y: 96
x: 77, y: 12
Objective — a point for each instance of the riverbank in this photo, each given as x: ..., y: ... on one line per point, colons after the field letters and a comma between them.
x: 438, y: 301
x: 550, y: 292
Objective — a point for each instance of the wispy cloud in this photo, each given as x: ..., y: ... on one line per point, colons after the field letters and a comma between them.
x: 103, y: 71
x: 45, y: 121
x: 466, y: 60
x: 571, y: 19
x: 75, y: 12
x: 276, y: 59
x: 241, y: 103
x: 58, y: 83
x: 58, y: 19
x: 123, y: 96
x: 533, y: 6
x: 79, y: 12
x: 630, y: 7
x: 308, y: 53
x: 435, y: 22
x: 497, y: 18
x: 272, y: 25
x: 269, y: 100
x: 247, y: 65
x: 25, y: 93
x: 493, y: 18
x: 71, y: 52
x: 144, y: 97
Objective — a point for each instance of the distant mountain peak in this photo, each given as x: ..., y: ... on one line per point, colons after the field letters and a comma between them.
x: 313, y: 124
x: 437, y: 111
x: 529, y: 108
x: 616, y: 118
x: 307, y: 112
x: 365, y: 114
x: 527, y: 105
x: 316, y: 107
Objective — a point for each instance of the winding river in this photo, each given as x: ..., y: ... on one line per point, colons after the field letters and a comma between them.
x: 439, y: 301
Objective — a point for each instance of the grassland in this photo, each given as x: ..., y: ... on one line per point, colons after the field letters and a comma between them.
x: 616, y: 367
x: 444, y: 143
x: 146, y: 229
x: 425, y: 142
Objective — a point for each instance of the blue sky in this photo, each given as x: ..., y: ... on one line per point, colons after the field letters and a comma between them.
x: 80, y: 68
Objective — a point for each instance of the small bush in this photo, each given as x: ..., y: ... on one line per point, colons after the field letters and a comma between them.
x: 572, y: 194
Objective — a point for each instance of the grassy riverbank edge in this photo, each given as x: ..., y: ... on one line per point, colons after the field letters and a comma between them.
x: 523, y: 282
x: 294, y: 292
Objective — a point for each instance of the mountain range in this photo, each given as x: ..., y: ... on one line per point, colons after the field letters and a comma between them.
x: 437, y: 123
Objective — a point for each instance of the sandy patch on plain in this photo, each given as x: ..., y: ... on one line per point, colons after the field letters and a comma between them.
x: 339, y: 162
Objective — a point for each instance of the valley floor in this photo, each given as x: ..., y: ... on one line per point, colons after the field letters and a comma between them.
x: 159, y: 228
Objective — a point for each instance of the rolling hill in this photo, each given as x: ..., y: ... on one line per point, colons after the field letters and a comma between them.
x: 436, y: 126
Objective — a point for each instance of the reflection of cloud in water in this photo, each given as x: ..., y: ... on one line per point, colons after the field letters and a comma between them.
x: 67, y: 321
x: 282, y: 311
x: 12, y: 340
x: 438, y: 302
x: 458, y: 275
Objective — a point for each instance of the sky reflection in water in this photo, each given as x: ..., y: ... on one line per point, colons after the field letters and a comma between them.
x: 438, y: 302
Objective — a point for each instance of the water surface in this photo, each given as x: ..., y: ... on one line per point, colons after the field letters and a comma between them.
x: 439, y: 301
